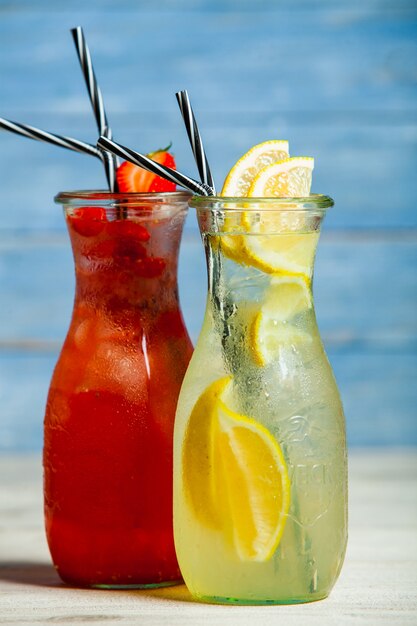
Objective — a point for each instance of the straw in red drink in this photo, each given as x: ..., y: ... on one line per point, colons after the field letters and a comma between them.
x: 160, y: 170
x: 57, y: 140
x: 96, y: 98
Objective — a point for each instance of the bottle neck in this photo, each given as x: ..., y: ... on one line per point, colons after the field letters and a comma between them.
x: 119, y: 285
x: 127, y: 264
x: 245, y: 268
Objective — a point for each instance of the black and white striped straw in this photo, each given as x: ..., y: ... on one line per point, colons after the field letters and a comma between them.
x: 195, y: 139
x: 96, y: 98
x: 57, y: 140
x: 141, y: 160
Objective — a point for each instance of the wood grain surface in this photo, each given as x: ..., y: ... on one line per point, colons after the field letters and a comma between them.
x: 377, y: 586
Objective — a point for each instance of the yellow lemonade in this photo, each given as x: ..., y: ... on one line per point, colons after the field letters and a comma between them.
x: 260, y: 490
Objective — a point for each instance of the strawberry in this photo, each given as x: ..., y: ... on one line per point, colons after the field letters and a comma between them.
x: 128, y: 235
x: 127, y: 228
x: 130, y: 250
x: 150, y: 267
x: 132, y: 178
x: 102, y: 250
x: 158, y: 183
x: 88, y: 221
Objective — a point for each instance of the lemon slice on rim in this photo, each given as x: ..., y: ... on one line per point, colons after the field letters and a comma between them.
x: 291, y: 253
x: 242, y: 174
x: 269, y: 244
x: 288, y: 178
x: 233, y: 462
x: 239, y: 180
x: 272, y: 326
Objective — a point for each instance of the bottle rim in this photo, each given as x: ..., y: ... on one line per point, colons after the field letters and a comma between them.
x: 314, y: 202
x: 98, y: 197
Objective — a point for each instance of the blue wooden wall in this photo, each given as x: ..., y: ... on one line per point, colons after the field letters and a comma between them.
x: 338, y: 79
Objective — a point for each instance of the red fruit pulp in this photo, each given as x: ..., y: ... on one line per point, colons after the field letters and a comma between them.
x: 89, y: 221
x: 110, y: 411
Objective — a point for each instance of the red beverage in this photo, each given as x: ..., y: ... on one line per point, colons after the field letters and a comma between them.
x: 111, y: 405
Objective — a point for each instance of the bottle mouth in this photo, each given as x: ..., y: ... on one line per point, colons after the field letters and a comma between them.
x: 314, y: 203
x: 100, y: 197
x: 260, y: 216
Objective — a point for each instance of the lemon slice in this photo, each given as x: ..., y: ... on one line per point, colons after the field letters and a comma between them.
x: 239, y: 180
x: 199, y: 455
x: 269, y: 245
x: 286, y: 253
x: 286, y: 297
x: 240, y: 177
x: 262, y: 173
x: 256, y: 485
x: 288, y: 178
x: 235, y: 475
x: 270, y: 336
x: 232, y: 246
x: 271, y: 327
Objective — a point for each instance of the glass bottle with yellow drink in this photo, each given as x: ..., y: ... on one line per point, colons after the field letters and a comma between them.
x: 260, y: 487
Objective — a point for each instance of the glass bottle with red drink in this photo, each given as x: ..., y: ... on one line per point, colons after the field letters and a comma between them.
x: 111, y: 404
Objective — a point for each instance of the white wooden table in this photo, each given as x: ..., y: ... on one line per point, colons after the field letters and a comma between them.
x: 378, y: 584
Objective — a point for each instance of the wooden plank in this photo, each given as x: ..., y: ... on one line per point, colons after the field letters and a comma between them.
x: 353, y: 307
x: 355, y: 56
x: 374, y: 588
x: 346, y: 89
x: 379, y: 396
x: 24, y: 383
x: 377, y: 388
x: 371, y: 336
x: 344, y: 106
x: 354, y: 161
x: 204, y: 6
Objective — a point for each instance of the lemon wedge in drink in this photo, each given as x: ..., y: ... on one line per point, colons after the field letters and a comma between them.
x: 272, y: 325
x: 275, y: 252
x: 199, y: 455
x: 242, y: 174
x: 286, y: 297
x: 288, y: 178
x: 237, y: 466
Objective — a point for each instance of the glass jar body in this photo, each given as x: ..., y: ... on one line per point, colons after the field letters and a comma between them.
x: 111, y: 404
x: 259, y: 386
